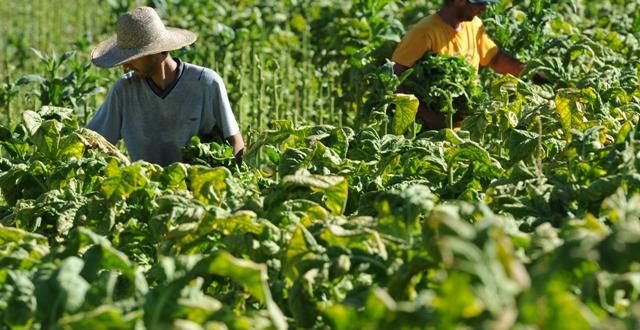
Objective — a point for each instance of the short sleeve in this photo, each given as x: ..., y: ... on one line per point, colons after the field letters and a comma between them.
x: 412, y: 47
x: 487, y: 49
x: 222, y: 113
x: 108, y: 120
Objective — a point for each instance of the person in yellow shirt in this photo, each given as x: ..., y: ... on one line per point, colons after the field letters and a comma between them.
x: 454, y: 30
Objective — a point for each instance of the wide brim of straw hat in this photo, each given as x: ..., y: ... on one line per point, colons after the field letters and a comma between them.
x: 107, y: 54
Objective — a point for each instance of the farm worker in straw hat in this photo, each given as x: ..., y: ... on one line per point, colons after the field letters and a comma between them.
x: 455, y: 29
x: 161, y: 102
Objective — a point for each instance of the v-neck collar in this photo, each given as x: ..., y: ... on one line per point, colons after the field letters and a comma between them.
x: 163, y: 93
x: 449, y: 28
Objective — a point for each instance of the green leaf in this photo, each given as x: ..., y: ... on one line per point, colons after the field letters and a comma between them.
x: 456, y: 300
x: 555, y: 306
x: 399, y: 211
x: 470, y: 151
x: 5, y: 134
x: 333, y: 188
x: 47, y: 138
x: 31, y: 78
x: 61, y: 114
x: 451, y: 136
x: 443, y: 220
x: 31, y: 121
x: 66, y: 56
x: 21, y: 308
x: 522, y: 144
x: 174, y: 176
x: 301, y: 250
x: 292, y: 160
x: 252, y: 276
x: 602, y: 187
x: 301, y: 301
x: 51, y: 144
x: 240, y: 222
x: 62, y: 291
x: 193, y: 237
x: 15, y: 235
x: 624, y: 132
x: 479, y: 164
x: 40, y: 55
x: 209, y: 185
x: 338, y: 140
x: 402, y: 284
x: 365, y: 240
x: 102, y: 318
x: 120, y: 182
x: 379, y: 304
x: 341, y: 317
x: 405, y: 112
x: 569, y: 107
x: 100, y: 257
x: 301, y: 211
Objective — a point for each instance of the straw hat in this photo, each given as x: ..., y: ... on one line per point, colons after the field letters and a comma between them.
x: 140, y: 32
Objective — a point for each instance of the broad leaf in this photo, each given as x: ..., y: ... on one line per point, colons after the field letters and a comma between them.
x: 405, y: 112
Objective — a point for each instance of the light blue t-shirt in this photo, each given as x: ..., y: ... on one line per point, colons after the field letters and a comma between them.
x: 156, y: 124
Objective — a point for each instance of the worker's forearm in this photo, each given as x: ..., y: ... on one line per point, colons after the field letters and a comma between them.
x: 504, y: 63
x: 431, y: 120
x: 237, y: 143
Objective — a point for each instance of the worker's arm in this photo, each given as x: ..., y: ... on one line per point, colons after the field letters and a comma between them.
x: 237, y: 143
x: 504, y: 63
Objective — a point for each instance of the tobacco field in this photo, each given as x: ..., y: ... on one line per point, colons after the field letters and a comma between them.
x: 344, y: 214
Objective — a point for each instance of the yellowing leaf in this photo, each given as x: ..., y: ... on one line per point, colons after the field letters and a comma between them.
x: 334, y: 188
x: 405, y: 113
x: 569, y: 106
x: 209, y: 184
x: 563, y: 108
x: 120, y: 182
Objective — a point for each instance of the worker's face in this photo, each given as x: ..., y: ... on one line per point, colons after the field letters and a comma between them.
x: 467, y: 10
x: 144, y: 66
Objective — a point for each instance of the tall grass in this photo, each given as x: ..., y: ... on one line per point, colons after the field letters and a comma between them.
x: 50, y: 26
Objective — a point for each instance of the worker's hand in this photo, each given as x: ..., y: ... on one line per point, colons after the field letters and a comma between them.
x: 238, y: 155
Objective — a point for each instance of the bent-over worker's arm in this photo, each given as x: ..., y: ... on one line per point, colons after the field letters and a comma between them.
x: 504, y: 63
x: 237, y: 143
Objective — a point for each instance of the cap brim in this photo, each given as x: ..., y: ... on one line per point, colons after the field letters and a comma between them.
x: 107, y: 54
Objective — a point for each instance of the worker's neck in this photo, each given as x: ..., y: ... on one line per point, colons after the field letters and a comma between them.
x: 449, y: 16
x: 166, y: 73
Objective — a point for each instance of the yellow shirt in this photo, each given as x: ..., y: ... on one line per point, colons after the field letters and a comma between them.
x: 433, y: 34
